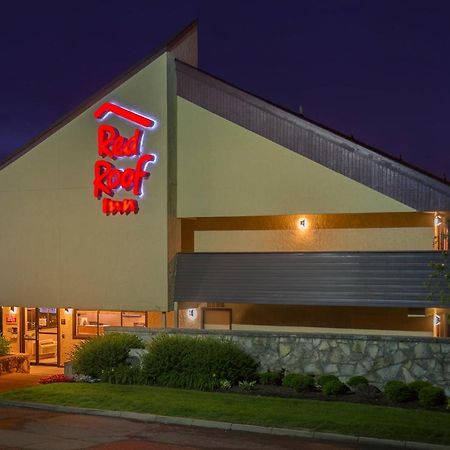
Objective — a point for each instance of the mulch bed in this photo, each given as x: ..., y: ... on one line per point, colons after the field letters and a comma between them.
x: 372, y: 397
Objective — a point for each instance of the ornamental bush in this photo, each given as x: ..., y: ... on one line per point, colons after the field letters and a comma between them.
x: 334, y: 387
x: 299, y: 381
x: 4, y: 346
x: 357, y: 380
x: 196, y: 363
x: 430, y: 396
x: 398, y: 392
x: 103, y: 353
x: 271, y: 378
x: 324, y: 379
x: 417, y: 386
x: 123, y: 374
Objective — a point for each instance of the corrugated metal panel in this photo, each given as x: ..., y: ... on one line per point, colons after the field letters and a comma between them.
x: 388, y: 176
x: 388, y: 279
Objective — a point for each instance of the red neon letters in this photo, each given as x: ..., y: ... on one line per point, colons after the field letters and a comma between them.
x: 108, y: 179
x: 120, y: 111
x: 112, y: 145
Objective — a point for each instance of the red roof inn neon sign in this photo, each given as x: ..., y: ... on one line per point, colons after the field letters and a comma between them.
x: 109, y: 179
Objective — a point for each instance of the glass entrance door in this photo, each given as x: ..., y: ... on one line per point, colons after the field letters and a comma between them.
x: 41, y: 335
x: 30, y: 333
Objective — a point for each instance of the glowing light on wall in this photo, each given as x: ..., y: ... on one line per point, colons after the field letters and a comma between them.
x: 109, y: 179
x: 192, y: 313
x: 437, y: 221
x: 302, y: 223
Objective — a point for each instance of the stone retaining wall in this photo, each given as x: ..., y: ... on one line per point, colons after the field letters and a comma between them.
x: 379, y: 358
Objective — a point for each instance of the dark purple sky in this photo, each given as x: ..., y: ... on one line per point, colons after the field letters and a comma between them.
x: 377, y: 69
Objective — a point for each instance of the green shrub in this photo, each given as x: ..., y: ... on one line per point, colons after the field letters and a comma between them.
x: 247, y: 385
x: 122, y: 374
x: 196, y: 363
x: 271, y: 378
x: 417, y: 386
x: 103, y: 353
x: 324, y: 379
x: 398, y: 392
x: 430, y: 396
x: 299, y: 381
x: 334, y: 387
x: 4, y: 346
x: 357, y: 380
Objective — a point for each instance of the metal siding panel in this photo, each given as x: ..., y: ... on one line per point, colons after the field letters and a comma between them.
x: 392, y: 279
x: 387, y: 176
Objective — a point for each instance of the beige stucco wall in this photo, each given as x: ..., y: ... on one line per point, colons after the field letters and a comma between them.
x: 226, y: 170
x: 360, y: 239
x: 57, y: 248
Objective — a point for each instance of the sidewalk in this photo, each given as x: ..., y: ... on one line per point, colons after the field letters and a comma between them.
x: 11, y: 381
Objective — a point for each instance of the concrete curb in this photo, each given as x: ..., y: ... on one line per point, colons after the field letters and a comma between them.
x: 227, y: 426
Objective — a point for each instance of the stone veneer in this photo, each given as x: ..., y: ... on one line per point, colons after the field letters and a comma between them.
x: 379, y: 358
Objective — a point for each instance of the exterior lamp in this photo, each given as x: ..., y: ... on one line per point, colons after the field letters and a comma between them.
x: 437, y: 221
x: 302, y: 223
x: 192, y: 313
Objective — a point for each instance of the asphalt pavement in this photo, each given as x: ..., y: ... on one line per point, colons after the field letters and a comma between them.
x: 23, y: 428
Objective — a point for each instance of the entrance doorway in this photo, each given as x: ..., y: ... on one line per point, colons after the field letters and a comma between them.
x: 40, y: 335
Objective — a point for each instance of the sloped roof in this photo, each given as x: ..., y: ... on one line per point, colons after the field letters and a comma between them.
x: 360, y: 162
x: 183, y: 47
x: 373, y: 168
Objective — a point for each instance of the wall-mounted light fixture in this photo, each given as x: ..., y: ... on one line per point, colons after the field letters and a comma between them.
x: 68, y: 310
x: 437, y: 221
x: 13, y: 309
x: 436, y: 320
x: 192, y: 313
x: 302, y: 223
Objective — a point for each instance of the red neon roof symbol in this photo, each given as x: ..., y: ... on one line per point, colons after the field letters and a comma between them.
x: 120, y: 111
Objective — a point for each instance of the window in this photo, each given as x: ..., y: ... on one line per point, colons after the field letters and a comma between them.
x: 90, y: 323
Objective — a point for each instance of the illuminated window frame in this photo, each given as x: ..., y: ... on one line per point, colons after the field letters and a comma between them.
x: 77, y: 335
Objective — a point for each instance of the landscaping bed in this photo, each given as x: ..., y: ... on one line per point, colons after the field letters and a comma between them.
x: 376, y: 397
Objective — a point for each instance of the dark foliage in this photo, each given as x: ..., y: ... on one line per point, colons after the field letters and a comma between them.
x: 271, y: 378
x: 196, y: 363
x: 430, y: 396
x: 334, y: 387
x: 103, y: 353
x: 398, y: 392
x: 299, y: 381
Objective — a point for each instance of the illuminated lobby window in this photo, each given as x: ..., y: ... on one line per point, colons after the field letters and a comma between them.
x: 93, y: 322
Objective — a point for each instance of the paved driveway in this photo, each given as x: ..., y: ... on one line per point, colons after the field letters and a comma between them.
x: 22, y: 428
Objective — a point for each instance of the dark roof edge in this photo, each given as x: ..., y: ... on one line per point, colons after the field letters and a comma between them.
x: 102, y: 92
x: 299, y: 117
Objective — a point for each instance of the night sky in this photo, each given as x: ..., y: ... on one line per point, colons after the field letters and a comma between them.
x: 378, y: 70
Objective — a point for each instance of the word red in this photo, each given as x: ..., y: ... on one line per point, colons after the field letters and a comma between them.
x: 109, y: 107
x: 108, y: 178
x: 113, y: 207
x: 112, y: 145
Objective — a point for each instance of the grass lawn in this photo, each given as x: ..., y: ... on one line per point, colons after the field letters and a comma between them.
x: 337, y: 417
